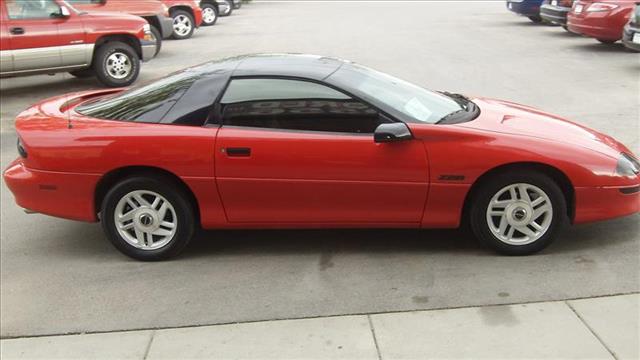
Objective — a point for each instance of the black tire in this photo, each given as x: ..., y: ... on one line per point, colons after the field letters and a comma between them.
x: 566, y: 28
x: 209, y: 7
x: 83, y: 74
x: 228, y: 7
x: 482, y: 198
x: 179, y: 13
x: 237, y: 4
x: 101, y: 62
x: 158, y: 38
x: 536, y: 19
x: 607, y: 42
x: 172, y: 193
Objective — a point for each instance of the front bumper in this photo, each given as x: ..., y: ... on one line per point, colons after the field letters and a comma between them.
x: 148, y: 49
x: 166, y: 26
x: 524, y: 8
x: 554, y: 14
x: 65, y: 195
x: 606, y: 202
x: 628, y: 37
x: 604, y: 25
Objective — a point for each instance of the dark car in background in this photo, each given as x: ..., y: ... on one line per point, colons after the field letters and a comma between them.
x: 631, y: 34
x: 528, y: 8
x: 555, y: 11
x: 603, y: 20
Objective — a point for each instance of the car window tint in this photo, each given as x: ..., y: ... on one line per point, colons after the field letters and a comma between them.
x: 31, y: 9
x: 148, y: 103
x: 272, y: 89
x: 295, y: 105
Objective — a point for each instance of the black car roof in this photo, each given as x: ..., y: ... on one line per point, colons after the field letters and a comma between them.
x: 296, y: 65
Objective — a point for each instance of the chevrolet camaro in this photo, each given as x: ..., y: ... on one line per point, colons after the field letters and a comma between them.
x: 301, y: 141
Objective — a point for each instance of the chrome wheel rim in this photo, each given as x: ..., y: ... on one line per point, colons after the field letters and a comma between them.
x: 519, y: 214
x: 119, y: 65
x: 145, y: 219
x: 208, y: 15
x: 182, y: 25
x: 225, y: 8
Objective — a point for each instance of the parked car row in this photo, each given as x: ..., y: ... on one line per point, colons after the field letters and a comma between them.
x: 107, y: 39
x: 607, y: 21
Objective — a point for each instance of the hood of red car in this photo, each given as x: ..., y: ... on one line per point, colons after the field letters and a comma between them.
x: 510, y: 118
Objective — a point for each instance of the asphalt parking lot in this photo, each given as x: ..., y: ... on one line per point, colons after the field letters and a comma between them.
x: 61, y: 276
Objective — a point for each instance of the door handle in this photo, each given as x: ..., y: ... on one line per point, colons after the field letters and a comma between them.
x: 239, y: 152
x: 17, y: 30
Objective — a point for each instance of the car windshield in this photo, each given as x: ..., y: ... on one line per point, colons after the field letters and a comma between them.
x: 396, y: 96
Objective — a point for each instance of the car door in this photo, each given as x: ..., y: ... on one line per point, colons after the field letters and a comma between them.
x: 295, y: 151
x: 33, y: 33
x: 6, y: 51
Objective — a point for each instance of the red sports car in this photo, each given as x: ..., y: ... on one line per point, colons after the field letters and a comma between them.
x: 300, y: 141
x: 603, y: 20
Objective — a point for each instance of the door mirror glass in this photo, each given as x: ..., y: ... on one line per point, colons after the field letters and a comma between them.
x: 392, y: 132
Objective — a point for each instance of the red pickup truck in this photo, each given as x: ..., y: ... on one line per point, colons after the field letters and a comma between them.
x: 50, y: 36
x: 154, y: 11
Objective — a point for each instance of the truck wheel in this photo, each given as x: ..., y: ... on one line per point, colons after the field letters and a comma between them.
x: 83, y: 74
x: 116, y: 64
x: 518, y: 213
x: 237, y: 4
x: 209, y: 14
x: 183, y: 25
x: 157, y: 37
x: 148, y: 218
x: 225, y: 8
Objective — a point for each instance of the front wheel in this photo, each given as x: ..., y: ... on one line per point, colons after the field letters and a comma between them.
x: 209, y: 14
x: 157, y: 37
x: 518, y: 213
x: 116, y: 64
x: 183, y: 25
x: 225, y: 7
x: 536, y: 19
x: 148, y: 218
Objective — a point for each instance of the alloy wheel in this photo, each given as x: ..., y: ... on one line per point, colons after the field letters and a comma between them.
x: 119, y: 65
x: 182, y: 25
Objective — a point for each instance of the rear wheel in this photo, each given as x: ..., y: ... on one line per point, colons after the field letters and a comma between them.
x: 116, y: 64
x: 536, y: 19
x: 183, y: 25
x: 148, y: 218
x: 518, y: 213
x: 237, y: 4
x: 209, y: 14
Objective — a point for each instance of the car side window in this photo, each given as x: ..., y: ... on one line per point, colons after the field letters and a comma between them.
x: 31, y: 9
x: 295, y: 105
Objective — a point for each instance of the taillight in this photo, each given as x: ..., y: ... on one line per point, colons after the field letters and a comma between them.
x: 21, y: 150
x: 601, y: 7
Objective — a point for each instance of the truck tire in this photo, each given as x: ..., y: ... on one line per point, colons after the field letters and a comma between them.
x: 209, y: 14
x: 158, y: 38
x: 183, y: 24
x: 116, y: 64
x: 227, y: 8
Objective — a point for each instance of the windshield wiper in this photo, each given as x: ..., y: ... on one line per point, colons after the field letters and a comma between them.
x: 459, y: 98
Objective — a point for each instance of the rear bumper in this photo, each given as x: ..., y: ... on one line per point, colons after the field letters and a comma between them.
x: 628, y: 37
x: 166, y: 26
x: 148, y: 49
x: 554, y: 14
x: 603, y: 203
x: 65, y: 195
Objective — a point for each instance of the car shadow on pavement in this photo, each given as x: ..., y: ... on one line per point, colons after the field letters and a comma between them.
x: 596, y: 47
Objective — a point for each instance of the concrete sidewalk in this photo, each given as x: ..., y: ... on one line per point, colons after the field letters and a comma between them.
x: 596, y: 328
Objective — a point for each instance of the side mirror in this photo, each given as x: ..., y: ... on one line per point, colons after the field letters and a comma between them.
x: 392, y: 132
x: 64, y: 12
